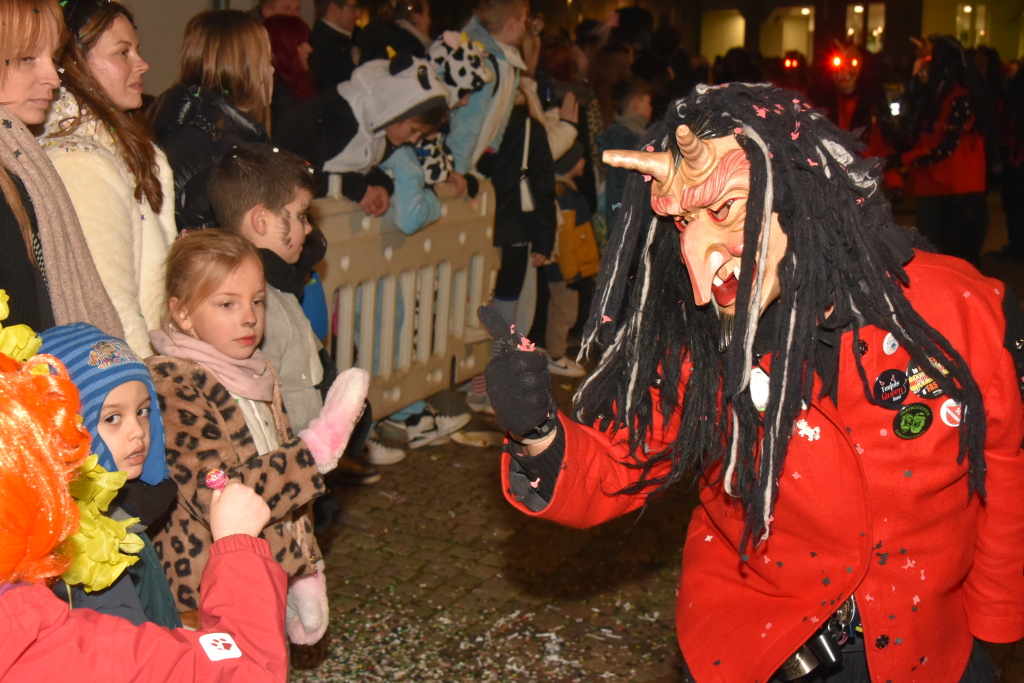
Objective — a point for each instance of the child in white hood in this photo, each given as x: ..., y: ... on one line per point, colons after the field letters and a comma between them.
x: 346, y: 130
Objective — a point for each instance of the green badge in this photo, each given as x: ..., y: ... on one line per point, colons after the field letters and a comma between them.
x: 912, y: 421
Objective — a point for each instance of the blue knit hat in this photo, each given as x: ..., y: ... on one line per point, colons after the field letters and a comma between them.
x: 98, y: 364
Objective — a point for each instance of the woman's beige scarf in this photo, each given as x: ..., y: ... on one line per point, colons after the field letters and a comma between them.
x: 76, y: 291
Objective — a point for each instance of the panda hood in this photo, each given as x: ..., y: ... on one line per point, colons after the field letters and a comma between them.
x: 382, y: 92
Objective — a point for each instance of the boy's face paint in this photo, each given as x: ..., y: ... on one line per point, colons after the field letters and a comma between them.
x: 232, y: 318
x: 286, y: 232
x: 124, y: 426
x: 706, y: 195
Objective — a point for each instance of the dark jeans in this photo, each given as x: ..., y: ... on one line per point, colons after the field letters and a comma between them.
x: 854, y: 669
x: 512, y: 272
x: 956, y: 224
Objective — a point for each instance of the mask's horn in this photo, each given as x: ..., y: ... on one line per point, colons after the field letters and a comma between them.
x: 694, y: 150
x: 658, y: 165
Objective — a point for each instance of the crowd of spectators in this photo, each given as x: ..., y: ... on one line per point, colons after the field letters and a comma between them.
x: 170, y: 246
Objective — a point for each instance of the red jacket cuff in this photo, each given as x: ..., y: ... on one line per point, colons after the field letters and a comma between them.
x: 994, y: 629
x: 243, y: 542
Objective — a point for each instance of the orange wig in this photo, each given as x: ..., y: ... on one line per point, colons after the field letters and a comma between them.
x: 41, y: 445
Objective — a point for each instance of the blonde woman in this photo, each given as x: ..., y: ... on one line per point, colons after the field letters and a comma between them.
x: 102, y: 147
x: 222, y: 99
x: 45, y: 265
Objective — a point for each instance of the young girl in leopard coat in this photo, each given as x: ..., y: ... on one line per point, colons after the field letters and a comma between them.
x: 222, y: 410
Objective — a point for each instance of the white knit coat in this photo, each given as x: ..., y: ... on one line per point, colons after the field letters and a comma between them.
x: 128, y: 239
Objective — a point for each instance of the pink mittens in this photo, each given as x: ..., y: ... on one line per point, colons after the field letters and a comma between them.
x: 328, y: 434
x: 307, y: 614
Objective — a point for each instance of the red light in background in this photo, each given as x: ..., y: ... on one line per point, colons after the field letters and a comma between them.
x: 855, y: 62
x: 837, y: 61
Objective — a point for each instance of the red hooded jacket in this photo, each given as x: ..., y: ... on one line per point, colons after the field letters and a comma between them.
x: 859, y: 511
x: 242, y: 611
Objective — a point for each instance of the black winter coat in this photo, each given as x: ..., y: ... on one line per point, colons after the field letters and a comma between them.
x: 195, y: 128
x: 511, y: 224
x: 29, y: 301
x: 331, y: 61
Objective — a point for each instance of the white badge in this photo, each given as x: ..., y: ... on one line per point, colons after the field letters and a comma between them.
x: 219, y: 646
x: 889, y: 344
x: 950, y: 412
x: 759, y: 388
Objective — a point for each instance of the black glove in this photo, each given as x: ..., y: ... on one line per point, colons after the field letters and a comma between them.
x: 518, y: 382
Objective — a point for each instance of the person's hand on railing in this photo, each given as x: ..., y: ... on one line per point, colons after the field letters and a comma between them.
x: 570, y: 110
x: 376, y: 201
x: 519, y: 384
x: 458, y: 181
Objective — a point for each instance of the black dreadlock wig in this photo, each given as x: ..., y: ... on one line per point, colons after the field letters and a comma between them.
x: 844, y: 251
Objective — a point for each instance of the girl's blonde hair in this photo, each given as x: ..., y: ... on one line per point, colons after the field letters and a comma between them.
x: 198, y: 263
x: 24, y: 25
x: 228, y: 52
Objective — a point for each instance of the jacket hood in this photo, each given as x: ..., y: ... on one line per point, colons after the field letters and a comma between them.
x: 382, y: 92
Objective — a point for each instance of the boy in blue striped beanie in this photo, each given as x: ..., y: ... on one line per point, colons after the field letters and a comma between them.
x: 119, y: 408
x: 117, y: 395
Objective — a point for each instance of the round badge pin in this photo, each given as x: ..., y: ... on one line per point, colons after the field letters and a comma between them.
x: 889, y: 344
x: 950, y: 413
x: 920, y: 383
x: 912, y: 421
x: 891, y: 388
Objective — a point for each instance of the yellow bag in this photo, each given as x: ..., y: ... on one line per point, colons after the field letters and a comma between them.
x: 578, y: 256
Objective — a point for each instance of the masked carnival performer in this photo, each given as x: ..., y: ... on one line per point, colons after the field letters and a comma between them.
x: 849, y: 401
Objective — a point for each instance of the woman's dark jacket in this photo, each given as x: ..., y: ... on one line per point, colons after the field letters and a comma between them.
x: 195, y: 128
x: 29, y: 300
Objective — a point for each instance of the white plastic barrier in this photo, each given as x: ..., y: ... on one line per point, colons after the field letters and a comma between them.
x: 444, y: 272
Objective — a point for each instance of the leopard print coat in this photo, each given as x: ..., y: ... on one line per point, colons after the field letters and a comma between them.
x: 205, y: 430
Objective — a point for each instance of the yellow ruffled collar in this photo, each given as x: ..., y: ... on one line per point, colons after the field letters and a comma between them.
x: 100, y: 542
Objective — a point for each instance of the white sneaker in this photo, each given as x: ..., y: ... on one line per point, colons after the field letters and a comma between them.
x: 480, y: 403
x: 379, y: 454
x: 417, y: 434
x: 448, y: 424
x: 566, y: 367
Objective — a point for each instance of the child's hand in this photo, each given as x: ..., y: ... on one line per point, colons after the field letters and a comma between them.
x: 376, y: 201
x: 237, y: 509
x: 458, y: 181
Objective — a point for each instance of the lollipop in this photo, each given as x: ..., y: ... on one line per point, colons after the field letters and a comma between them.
x: 216, y: 479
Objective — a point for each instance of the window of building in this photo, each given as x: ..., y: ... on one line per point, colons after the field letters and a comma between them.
x: 972, y: 25
x: 865, y: 24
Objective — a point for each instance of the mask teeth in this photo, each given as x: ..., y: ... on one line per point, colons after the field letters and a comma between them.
x: 726, y: 323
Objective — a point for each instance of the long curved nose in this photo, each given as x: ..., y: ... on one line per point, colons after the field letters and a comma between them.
x: 703, y: 254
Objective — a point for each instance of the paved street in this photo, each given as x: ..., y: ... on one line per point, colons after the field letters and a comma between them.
x: 434, y: 577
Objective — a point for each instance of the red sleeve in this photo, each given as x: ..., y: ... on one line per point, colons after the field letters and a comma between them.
x: 242, y: 610
x: 595, y: 468
x: 994, y: 589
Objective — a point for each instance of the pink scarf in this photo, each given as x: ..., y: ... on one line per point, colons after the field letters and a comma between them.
x: 250, y: 378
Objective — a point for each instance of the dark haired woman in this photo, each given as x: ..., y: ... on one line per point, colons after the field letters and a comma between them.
x: 222, y: 99
x: 293, y: 81
x: 45, y: 266
x: 103, y: 149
